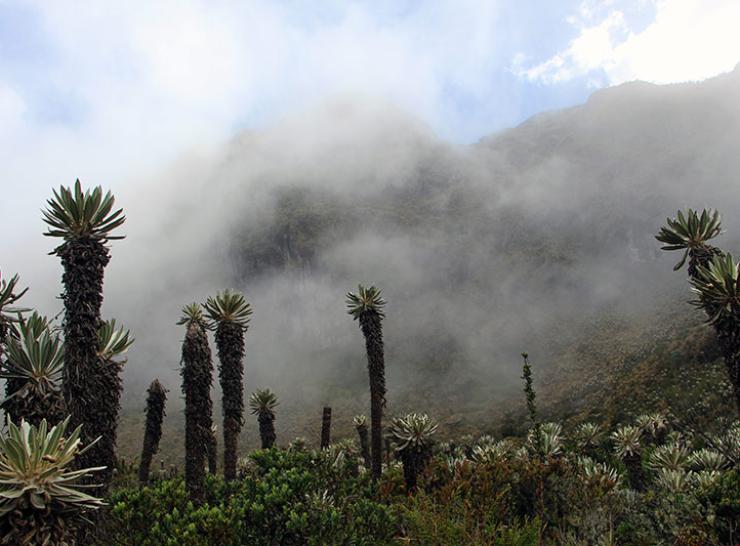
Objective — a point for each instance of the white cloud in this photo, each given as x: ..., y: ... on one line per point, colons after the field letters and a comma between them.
x: 688, y: 40
x: 151, y: 81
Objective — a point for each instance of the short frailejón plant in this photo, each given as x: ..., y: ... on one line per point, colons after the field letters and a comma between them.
x: 325, y: 428
x: 230, y: 313
x: 196, y: 386
x: 412, y: 435
x: 33, y: 373
x: 360, y: 422
x: 263, y: 403
x: 366, y: 306
x: 155, y: 413
x: 627, y: 447
x: 41, y: 496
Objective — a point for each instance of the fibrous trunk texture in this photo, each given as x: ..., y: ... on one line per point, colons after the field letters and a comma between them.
x: 23, y: 401
x: 372, y: 329
x: 84, y: 262
x: 414, y: 462
x: 326, y: 428
x: 633, y: 463
x: 107, y: 382
x: 36, y: 528
x: 267, y: 429
x: 362, y: 432
x: 155, y: 412
x: 230, y: 343
x: 195, y: 371
x: 212, y: 451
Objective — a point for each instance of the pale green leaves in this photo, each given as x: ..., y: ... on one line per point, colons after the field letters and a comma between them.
x: 73, y: 214
x: 718, y: 287
x: 35, y: 353
x: 413, y: 431
x: 113, y: 341
x: 8, y: 296
x: 229, y: 306
x: 365, y: 300
x: 689, y: 231
x: 36, y: 469
x: 263, y: 401
x: 192, y: 313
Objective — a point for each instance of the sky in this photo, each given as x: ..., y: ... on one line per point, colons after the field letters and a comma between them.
x: 109, y: 92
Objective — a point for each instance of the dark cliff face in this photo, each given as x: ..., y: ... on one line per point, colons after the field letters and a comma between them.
x: 482, y: 251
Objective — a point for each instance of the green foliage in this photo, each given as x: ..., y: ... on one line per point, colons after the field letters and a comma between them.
x: 192, y: 313
x: 365, y: 300
x: 113, y: 341
x: 292, y: 497
x: 8, y: 296
x: 263, y: 402
x: 40, y: 491
x: 413, y: 431
x: 718, y: 288
x: 73, y: 214
x: 689, y: 231
x: 35, y: 355
x: 229, y: 306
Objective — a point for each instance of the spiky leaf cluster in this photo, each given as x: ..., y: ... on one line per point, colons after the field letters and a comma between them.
x: 589, y: 435
x: 40, y: 490
x: 653, y: 424
x: 689, y: 232
x: 74, y: 214
x: 489, y: 452
x: 9, y: 294
x: 627, y: 441
x: 718, y: 288
x: 413, y: 431
x: 113, y: 341
x: 263, y: 402
x: 364, y: 301
x: 547, y: 439
x: 672, y: 456
x: 193, y: 312
x: 229, y: 306
x: 359, y: 421
x: 33, y: 372
x: 674, y: 480
x: 597, y: 473
x: 707, y: 460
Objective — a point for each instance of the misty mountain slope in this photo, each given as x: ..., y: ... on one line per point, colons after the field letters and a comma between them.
x: 520, y: 242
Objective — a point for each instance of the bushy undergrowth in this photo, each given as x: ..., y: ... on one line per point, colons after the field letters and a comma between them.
x: 282, y: 497
x: 485, y: 492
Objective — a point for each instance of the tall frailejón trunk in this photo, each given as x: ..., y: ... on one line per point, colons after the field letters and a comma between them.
x: 372, y: 329
x: 84, y: 261
x: 212, y: 450
x: 230, y: 343
x: 362, y: 432
x: 155, y: 412
x: 195, y: 371
x: 107, y: 383
x: 326, y: 428
x: 267, y: 429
